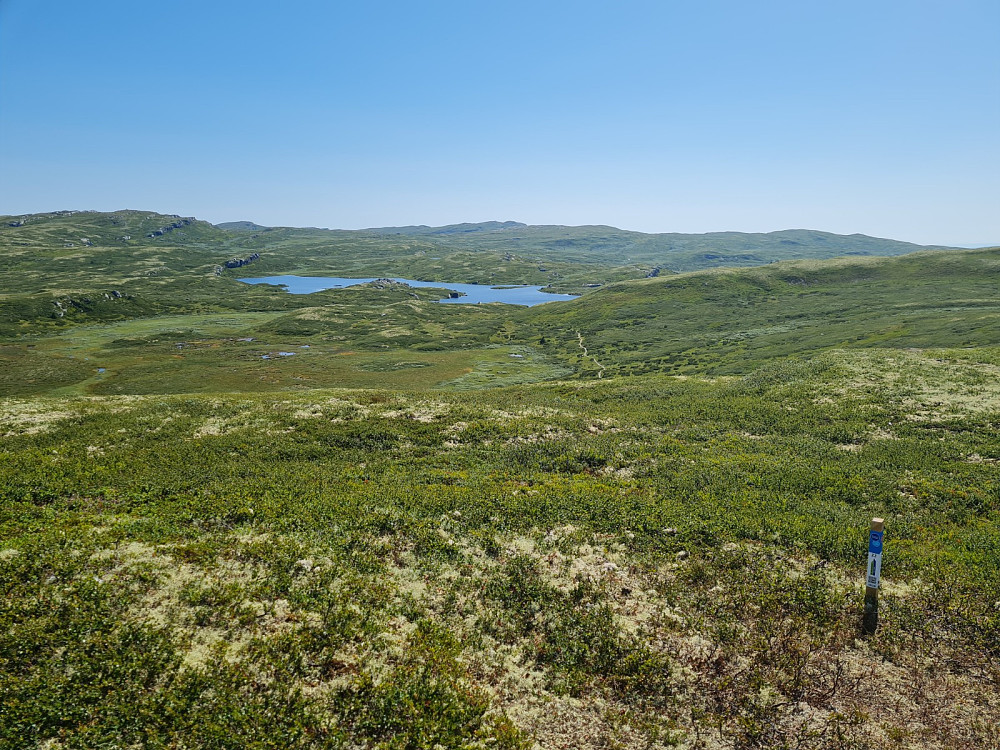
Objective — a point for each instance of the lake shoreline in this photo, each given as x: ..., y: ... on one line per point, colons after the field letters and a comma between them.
x: 469, y: 294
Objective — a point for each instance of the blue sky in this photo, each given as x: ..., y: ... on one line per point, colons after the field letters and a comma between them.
x: 874, y: 117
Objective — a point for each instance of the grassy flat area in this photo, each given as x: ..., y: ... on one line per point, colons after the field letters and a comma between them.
x: 367, y: 341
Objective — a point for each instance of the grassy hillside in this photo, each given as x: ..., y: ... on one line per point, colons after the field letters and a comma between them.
x: 644, y: 562
x: 66, y: 268
x: 715, y: 322
x: 427, y: 257
x: 568, y: 258
x: 669, y: 251
x: 726, y: 321
x: 79, y: 229
x: 67, y: 256
x: 232, y: 517
x: 227, y: 335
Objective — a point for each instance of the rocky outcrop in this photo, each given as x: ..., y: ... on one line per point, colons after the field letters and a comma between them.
x: 63, y: 305
x: 170, y: 227
x: 386, y: 284
x: 240, y: 262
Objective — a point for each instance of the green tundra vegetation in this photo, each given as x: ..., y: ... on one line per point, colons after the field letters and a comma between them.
x: 233, y: 517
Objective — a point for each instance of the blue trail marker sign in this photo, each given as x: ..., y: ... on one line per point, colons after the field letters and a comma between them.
x: 874, y: 573
x: 874, y: 558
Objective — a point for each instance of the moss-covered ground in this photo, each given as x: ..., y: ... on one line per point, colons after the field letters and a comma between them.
x: 633, y: 563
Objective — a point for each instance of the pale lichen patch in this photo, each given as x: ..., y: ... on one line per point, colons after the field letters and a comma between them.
x: 32, y: 417
x: 423, y: 411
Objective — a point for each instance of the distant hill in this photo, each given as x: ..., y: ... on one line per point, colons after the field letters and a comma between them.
x: 673, y: 251
x: 603, y: 246
x: 69, y: 229
x: 85, y: 250
x: 424, y: 230
x: 611, y: 247
x: 241, y: 226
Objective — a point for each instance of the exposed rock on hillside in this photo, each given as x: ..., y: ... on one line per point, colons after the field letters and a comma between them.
x: 240, y: 262
x: 387, y: 284
x: 170, y: 227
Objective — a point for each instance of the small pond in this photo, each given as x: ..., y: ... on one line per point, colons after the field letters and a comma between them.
x: 473, y: 293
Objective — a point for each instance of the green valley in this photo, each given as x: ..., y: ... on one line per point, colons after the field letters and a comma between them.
x: 235, y: 517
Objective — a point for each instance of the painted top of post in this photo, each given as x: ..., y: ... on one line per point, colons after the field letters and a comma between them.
x: 875, y: 537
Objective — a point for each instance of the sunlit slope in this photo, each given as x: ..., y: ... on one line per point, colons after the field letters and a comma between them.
x: 428, y: 256
x: 105, y: 229
x: 82, y: 267
x: 71, y: 269
x: 566, y: 257
x: 81, y: 249
x: 728, y: 320
x: 88, y: 252
x: 665, y: 562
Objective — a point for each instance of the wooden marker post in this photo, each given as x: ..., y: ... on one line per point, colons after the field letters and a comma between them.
x: 870, y: 622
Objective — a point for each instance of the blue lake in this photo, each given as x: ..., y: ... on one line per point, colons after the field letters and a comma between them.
x: 474, y: 293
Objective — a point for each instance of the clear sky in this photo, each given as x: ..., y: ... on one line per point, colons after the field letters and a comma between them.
x: 880, y: 117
